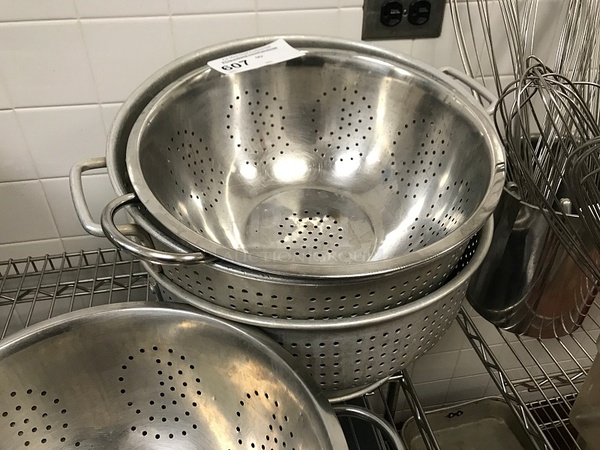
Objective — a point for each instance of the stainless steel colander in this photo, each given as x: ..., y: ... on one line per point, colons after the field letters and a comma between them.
x: 155, y: 376
x: 345, y: 162
x: 346, y: 354
x: 297, y: 296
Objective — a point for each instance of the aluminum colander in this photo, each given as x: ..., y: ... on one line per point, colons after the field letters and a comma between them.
x: 156, y: 376
x: 345, y: 355
x: 345, y: 162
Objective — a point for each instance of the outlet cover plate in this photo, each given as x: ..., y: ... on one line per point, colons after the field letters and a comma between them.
x: 402, y: 19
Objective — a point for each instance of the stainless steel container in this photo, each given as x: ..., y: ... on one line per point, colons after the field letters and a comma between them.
x: 347, y: 354
x: 528, y: 283
x: 585, y: 415
x: 340, y: 163
x: 485, y: 422
x: 153, y: 376
x: 159, y: 376
x: 408, y: 260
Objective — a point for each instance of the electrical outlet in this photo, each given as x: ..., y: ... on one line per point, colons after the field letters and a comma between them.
x: 402, y: 19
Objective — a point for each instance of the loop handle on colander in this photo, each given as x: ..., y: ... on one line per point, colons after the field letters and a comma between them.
x: 76, y: 186
x: 115, y: 234
x: 473, y: 85
x: 79, y: 202
x: 373, y: 419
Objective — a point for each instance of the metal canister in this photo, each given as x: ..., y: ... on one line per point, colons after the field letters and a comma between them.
x: 528, y: 283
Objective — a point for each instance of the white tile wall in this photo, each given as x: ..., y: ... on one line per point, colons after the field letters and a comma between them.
x: 27, y: 214
x: 435, y: 366
x: 65, y: 68
x: 116, y: 51
x: 467, y: 388
x: 46, y: 309
x: 40, y: 247
x: 349, y: 3
x: 14, y: 324
x: 468, y: 364
x: 351, y: 23
x: 16, y: 160
x: 547, y: 30
x: 118, y: 8
x: 507, y: 358
x: 109, y: 111
x: 45, y: 63
x: 5, y: 102
x: 444, y: 52
x: 79, y: 243
x: 488, y: 331
x: 310, y: 21
x: 491, y: 390
x: 59, y: 137
x: 266, y: 5
x: 196, y: 31
x: 432, y: 393
x: 453, y: 340
x: 98, y: 192
x: 210, y: 6
x: 11, y: 10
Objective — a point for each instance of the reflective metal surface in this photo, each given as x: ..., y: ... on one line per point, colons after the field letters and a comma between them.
x: 361, y: 413
x: 156, y: 377
x: 488, y: 420
x: 255, y: 292
x: 37, y: 288
x: 250, y: 292
x: 528, y: 283
x: 347, y: 353
x: 332, y: 164
x: 263, y: 294
x: 539, y: 378
x: 246, y: 290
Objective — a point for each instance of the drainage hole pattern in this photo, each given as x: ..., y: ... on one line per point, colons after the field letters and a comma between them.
x: 168, y: 413
x: 36, y: 418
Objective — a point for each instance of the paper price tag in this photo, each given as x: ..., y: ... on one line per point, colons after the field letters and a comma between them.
x: 273, y: 53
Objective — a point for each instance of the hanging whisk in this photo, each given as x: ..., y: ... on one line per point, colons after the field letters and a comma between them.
x: 482, y: 43
x: 583, y: 178
x: 566, y: 38
x: 543, y: 118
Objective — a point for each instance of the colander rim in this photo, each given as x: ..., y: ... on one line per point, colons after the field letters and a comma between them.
x: 316, y: 325
x: 64, y: 323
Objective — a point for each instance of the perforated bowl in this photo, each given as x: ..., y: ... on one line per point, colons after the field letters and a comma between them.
x: 156, y: 376
x: 345, y: 162
x: 266, y: 295
x: 346, y: 354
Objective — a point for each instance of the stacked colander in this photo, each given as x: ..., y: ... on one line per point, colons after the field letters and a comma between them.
x: 338, y: 200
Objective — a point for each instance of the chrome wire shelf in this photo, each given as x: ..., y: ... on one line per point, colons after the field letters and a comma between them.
x: 539, y: 379
x: 39, y: 288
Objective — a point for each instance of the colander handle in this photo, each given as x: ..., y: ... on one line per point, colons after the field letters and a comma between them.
x: 76, y: 186
x: 474, y: 85
x: 368, y: 416
x: 115, y: 234
x: 83, y: 211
